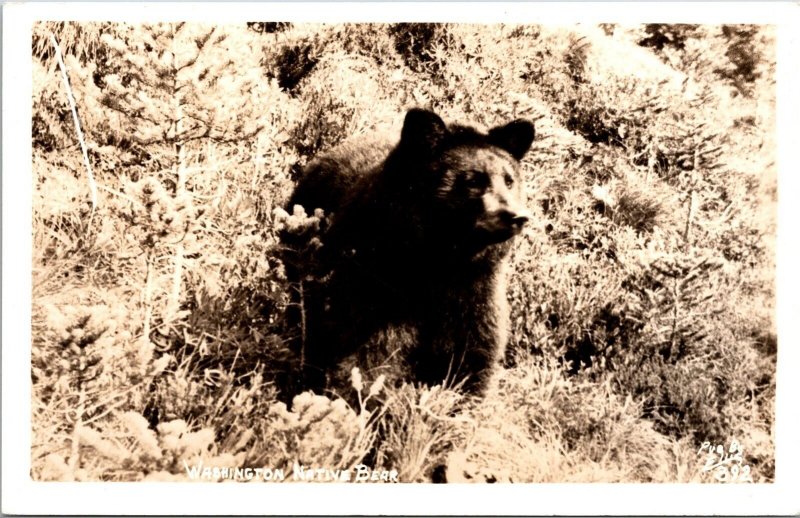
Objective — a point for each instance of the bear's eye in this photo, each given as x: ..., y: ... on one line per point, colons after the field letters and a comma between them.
x: 476, y: 180
x: 508, y: 179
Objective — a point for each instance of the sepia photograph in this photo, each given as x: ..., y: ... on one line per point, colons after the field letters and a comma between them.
x: 417, y: 252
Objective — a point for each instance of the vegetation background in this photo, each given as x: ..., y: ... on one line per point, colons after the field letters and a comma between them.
x: 642, y: 297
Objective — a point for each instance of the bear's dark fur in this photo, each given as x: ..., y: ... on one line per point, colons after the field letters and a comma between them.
x: 410, y: 274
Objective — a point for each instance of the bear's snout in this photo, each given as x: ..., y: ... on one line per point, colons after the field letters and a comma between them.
x: 514, y: 220
x: 503, y: 224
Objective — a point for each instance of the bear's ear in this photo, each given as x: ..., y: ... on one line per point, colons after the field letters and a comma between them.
x: 422, y: 129
x: 515, y: 137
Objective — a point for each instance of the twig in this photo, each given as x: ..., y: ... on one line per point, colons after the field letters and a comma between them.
x: 76, y: 120
x: 303, y: 325
x: 148, y: 309
x: 692, y: 202
x: 173, y: 304
x: 75, y: 450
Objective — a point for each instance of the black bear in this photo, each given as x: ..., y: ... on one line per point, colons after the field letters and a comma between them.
x: 410, y: 266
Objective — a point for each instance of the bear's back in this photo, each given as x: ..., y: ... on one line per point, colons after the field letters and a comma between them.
x: 332, y: 177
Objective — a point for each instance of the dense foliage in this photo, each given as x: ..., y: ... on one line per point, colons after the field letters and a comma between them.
x: 642, y: 297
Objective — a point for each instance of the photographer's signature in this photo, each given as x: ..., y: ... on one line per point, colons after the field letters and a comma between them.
x: 726, y: 465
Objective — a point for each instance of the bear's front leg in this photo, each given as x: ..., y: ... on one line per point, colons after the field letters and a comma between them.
x: 465, y: 334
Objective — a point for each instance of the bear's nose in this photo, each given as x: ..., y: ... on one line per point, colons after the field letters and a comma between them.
x: 514, y: 219
x: 519, y: 220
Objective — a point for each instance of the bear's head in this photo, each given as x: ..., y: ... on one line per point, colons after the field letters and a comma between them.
x: 471, y: 179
